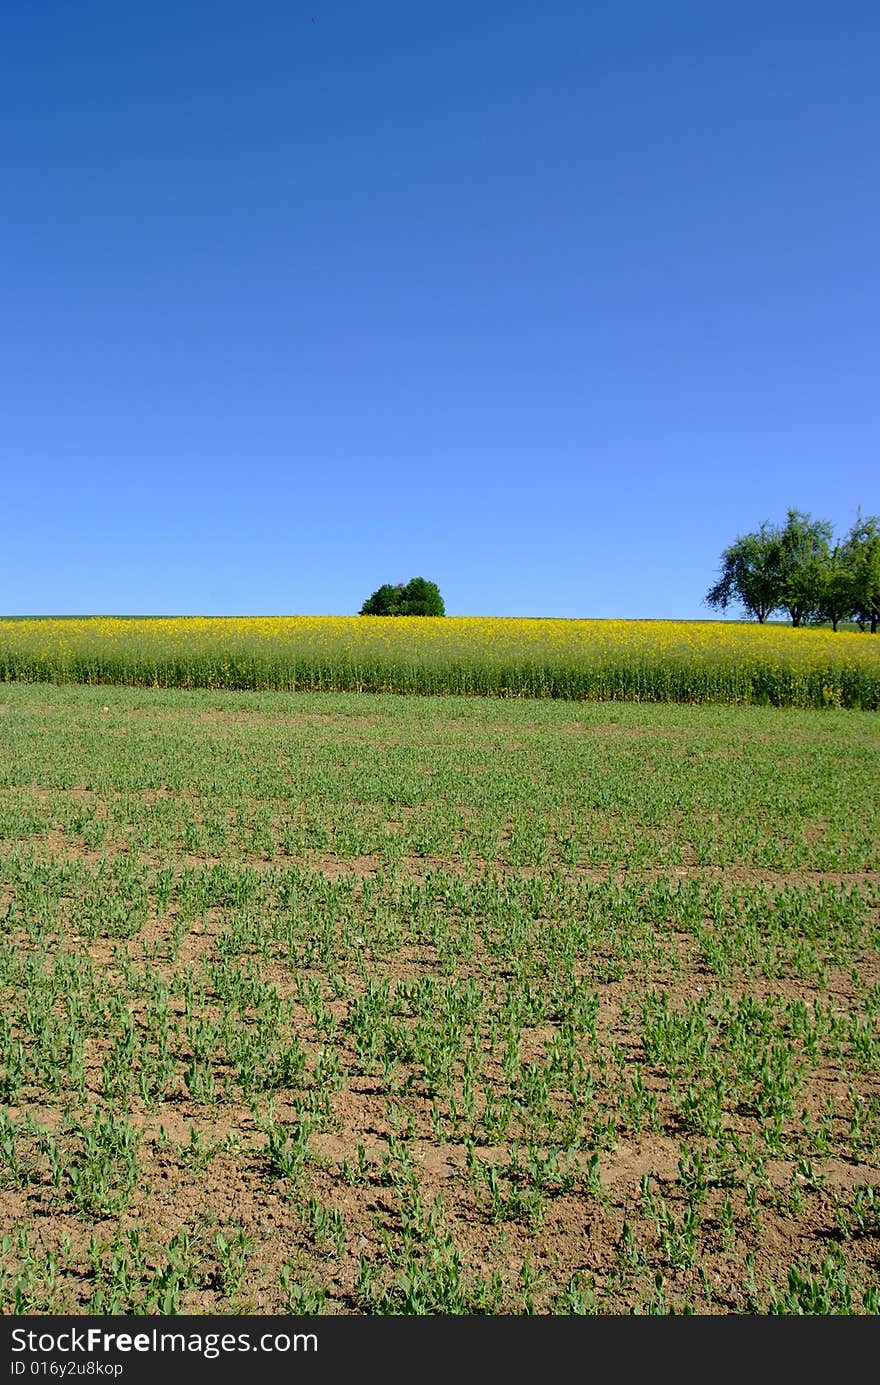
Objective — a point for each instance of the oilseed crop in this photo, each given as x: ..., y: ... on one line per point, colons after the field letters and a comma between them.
x: 641, y: 661
x: 352, y: 1003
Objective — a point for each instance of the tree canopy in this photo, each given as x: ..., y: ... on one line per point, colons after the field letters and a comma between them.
x: 804, y: 551
x: 418, y: 597
x: 861, y: 551
x: 749, y: 575
x: 797, y: 567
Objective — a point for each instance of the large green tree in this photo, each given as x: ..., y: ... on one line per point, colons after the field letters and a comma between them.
x: 836, y: 598
x: 804, y: 553
x: 750, y: 574
x: 418, y: 597
x: 862, y: 550
x: 384, y: 601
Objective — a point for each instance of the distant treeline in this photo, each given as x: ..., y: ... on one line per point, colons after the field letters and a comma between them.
x: 799, y: 568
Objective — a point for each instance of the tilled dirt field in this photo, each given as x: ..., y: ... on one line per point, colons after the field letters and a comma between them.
x: 350, y: 1004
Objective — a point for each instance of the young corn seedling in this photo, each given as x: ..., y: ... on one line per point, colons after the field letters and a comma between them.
x: 301, y: 1296
x: 287, y: 1150
x: 102, y: 1172
x: 577, y: 1297
x: 327, y: 1226
x: 233, y: 1250
x: 678, y: 1240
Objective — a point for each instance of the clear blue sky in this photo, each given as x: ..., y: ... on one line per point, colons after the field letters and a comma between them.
x: 543, y: 302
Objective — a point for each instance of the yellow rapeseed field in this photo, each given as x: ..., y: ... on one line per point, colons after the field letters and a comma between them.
x: 650, y: 661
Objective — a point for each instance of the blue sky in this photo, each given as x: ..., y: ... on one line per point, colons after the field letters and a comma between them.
x: 543, y: 302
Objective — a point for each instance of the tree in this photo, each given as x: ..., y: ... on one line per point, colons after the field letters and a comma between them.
x: 795, y: 568
x: 750, y: 574
x: 418, y: 598
x: 383, y: 602
x: 421, y: 598
x: 804, y: 552
x: 862, y: 550
x: 836, y: 598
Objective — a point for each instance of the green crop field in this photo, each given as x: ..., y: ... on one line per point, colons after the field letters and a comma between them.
x: 356, y: 1004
